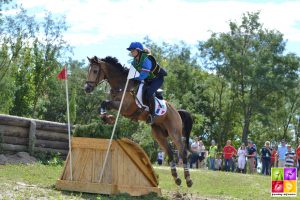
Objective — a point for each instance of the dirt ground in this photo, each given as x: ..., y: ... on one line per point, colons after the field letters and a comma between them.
x: 184, y: 196
x: 18, y: 158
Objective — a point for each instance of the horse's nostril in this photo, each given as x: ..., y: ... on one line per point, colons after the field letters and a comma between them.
x: 87, y: 88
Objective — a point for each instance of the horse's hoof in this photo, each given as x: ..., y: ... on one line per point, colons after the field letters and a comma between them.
x: 108, y: 119
x: 111, y: 119
x: 189, y: 183
x: 178, y: 181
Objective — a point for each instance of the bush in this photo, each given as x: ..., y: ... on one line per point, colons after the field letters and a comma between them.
x: 101, y: 130
x: 51, y: 158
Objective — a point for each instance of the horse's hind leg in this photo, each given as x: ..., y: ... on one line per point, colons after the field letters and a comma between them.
x: 183, y: 154
x: 161, y: 139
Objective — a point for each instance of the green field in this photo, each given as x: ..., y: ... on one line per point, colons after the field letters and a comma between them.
x: 37, y: 182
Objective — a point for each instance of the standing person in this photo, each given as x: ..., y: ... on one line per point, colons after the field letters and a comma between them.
x: 151, y: 74
x: 228, y: 152
x: 290, y: 157
x: 242, y: 152
x: 274, y: 157
x: 219, y: 163
x: 298, y: 158
x: 251, y: 153
x: 282, y: 149
x: 266, y: 153
x: 212, y: 155
x: 160, y: 157
x: 255, y: 157
x: 195, y: 153
x: 201, y: 152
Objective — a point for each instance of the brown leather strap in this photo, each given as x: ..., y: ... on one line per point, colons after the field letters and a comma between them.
x: 136, y: 113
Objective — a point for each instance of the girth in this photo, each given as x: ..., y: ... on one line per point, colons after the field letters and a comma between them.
x: 138, y: 111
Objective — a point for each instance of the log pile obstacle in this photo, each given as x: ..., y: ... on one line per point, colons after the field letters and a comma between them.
x: 31, y: 135
x: 128, y: 168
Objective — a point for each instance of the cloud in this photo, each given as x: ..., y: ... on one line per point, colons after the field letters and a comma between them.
x: 93, y: 21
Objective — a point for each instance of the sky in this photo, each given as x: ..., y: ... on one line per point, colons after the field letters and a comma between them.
x: 107, y: 27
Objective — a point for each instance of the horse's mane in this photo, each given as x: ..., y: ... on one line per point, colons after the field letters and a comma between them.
x: 114, y: 61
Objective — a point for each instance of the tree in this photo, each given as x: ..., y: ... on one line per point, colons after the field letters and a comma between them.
x: 35, y: 51
x: 251, y: 59
x: 15, y: 31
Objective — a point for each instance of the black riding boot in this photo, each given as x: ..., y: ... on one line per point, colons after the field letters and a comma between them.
x: 151, y: 116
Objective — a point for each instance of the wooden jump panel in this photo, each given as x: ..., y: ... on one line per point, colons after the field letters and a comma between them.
x: 128, y: 169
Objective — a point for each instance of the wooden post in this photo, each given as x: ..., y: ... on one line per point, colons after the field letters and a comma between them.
x: 32, y: 138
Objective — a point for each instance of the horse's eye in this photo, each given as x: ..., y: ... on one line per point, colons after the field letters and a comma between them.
x: 95, y: 71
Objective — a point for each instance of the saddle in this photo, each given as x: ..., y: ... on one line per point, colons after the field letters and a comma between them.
x: 160, y: 103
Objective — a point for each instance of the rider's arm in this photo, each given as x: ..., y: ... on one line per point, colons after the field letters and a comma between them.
x: 146, y: 68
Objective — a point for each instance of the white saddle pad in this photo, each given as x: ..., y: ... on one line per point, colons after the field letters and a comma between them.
x: 160, y: 105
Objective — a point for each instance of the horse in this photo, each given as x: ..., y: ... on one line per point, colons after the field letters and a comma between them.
x: 175, y: 124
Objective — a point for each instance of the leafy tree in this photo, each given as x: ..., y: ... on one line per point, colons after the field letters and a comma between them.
x: 251, y: 59
x: 33, y: 63
x: 15, y: 31
x: 47, y: 53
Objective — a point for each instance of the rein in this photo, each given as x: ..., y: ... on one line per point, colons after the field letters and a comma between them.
x: 95, y: 82
x: 115, y: 91
x: 118, y: 90
x: 137, y: 111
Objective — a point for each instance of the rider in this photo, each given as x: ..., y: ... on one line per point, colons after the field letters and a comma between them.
x: 150, y: 73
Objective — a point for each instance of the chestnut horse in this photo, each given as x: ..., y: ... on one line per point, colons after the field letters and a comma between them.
x: 174, y: 124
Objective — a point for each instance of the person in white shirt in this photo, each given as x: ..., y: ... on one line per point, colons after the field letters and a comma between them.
x: 219, y: 163
x: 290, y: 157
x: 160, y: 157
x: 201, y: 152
x: 195, y: 153
x: 242, y: 158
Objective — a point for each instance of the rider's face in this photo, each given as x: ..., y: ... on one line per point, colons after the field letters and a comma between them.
x: 134, y: 52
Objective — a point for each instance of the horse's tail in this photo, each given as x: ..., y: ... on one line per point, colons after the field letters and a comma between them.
x: 187, y: 125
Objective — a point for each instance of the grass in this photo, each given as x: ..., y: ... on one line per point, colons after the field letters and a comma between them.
x: 37, y: 181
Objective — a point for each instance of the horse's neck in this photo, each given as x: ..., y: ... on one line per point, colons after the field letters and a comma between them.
x: 115, y: 78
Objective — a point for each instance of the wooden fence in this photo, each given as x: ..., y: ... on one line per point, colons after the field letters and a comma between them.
x: 31, y: 135
x: 128, y: 168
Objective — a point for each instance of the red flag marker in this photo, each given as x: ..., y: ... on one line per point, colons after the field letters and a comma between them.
x: 63, y: 74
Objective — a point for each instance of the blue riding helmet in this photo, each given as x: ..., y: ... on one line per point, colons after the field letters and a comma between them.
x: 135, y: 45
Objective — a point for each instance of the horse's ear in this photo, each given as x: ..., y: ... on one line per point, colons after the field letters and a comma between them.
x: 89, y: 59
x: 95, y: 59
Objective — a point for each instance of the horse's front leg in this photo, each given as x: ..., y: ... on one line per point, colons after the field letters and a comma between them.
x: 108, y: 105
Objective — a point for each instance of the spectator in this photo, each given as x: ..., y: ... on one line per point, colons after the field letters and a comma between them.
x: 242, y: 152
x: 201, y: 152
x: 195, y: 153
x: 282, y: 149
x: 255, y: 157
x: 160, y: 157
x: 219, y: 162
x: 274, y: 157
x: 212, y: 155
x: 251, y: 153
x: 228, y: 152
x: 266, y: 158
x: 298, y: 157
x: 290, y: 157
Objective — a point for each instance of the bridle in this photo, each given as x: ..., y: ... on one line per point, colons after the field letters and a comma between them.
x: 96, y: 81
